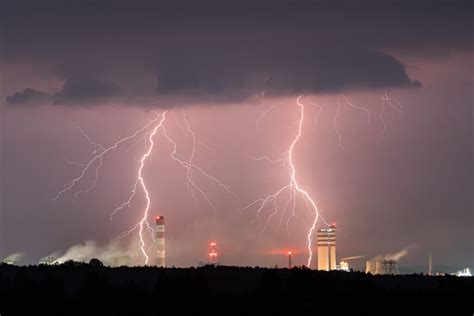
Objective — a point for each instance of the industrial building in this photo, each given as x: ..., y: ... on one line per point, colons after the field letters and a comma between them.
x: 160, y: 241
x: 343, y: 266
x: 381, y: 266
x: 327, y: 248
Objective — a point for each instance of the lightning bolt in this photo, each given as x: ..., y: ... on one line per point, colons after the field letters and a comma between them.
x: 318, y: 113
x: 292, y: 187
x: 97, y: 158
x: 263, y: 114
x: 189, y: 166
x: 336, y: 116
x: 392, y: 103
x: 144, y: 219
x: 148, y: 133
x: 156, y: 127
x: 338, y: 111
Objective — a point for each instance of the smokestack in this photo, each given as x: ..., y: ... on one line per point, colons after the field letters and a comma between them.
x: 160, y: 241
x: 289, y: 259
x: 430, y: 265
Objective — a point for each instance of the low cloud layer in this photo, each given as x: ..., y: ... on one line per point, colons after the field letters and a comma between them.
x: 73, y: 91
x: 225, y: 51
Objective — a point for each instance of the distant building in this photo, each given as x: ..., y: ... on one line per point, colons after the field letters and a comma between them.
x: 464, y: 273
x: 381, y: 266
x: 327, y: 248
x: 343, y: 266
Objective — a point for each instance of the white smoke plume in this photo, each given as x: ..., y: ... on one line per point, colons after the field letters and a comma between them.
x: 396, y: 255
x: 353, y: 257
x: 14, y: 257
x: 52, y: 256
x: 111, y: 254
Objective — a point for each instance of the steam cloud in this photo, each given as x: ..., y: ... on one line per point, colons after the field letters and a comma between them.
x: 396, y: 255
x: 15, y: 257
x: 111, y: 254
x: 353, y: 257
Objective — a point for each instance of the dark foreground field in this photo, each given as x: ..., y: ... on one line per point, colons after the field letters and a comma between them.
x: 83, y: 289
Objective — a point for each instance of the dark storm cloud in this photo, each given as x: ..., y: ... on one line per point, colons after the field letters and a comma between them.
x: 282, y: 72
x: 27, y: 96
x: 83, y: 90
x: 73, y: 92
x: 232, y: 49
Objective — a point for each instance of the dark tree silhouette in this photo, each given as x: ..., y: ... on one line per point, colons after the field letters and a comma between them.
x: 75, y: 288
x: 94, y: 262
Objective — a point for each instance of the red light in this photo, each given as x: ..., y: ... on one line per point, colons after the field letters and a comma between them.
x: 289, y: 253
x: 158, y: 217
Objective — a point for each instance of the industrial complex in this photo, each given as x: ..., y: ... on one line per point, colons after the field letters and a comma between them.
x: 326, y: 255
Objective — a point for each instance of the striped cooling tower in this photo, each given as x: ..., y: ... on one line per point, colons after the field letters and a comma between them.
x: 160, y: 241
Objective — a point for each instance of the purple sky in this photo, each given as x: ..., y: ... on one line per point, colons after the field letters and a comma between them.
x: 108, y: 69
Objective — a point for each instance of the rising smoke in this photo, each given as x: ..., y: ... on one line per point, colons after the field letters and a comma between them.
x: 14, y: 257
x: 395, y: 256
x: 51, y: 256
x: 353, y: 257
x: 111, y: 254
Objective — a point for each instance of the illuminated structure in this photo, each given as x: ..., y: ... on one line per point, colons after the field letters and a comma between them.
x: 160, y: 241
x: 213, y: 253
x: 381, y: 266
x: 48, y: 260
x: 327, y: 248
x: 289, y: 259
x: 343, y: 266
x: 464, y: 273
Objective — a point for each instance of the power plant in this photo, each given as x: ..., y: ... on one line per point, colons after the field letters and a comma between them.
x: 387, y: 264
x: 381, y: 266
x: 327, y: 248
x: 160, y: 241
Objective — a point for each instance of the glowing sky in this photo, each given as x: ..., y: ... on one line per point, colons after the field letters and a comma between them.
x: 108, y: 68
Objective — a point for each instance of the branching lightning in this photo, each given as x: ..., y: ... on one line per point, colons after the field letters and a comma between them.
x: 336, y: 116
x: 293, y: 188
x: 338, y: 111
x: 148, y: 133
x: 144, y: 219
x: 155, y: 127
x: 396, y: 105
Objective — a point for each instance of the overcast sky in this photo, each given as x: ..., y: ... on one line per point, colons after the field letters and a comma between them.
x: 110, y: 67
